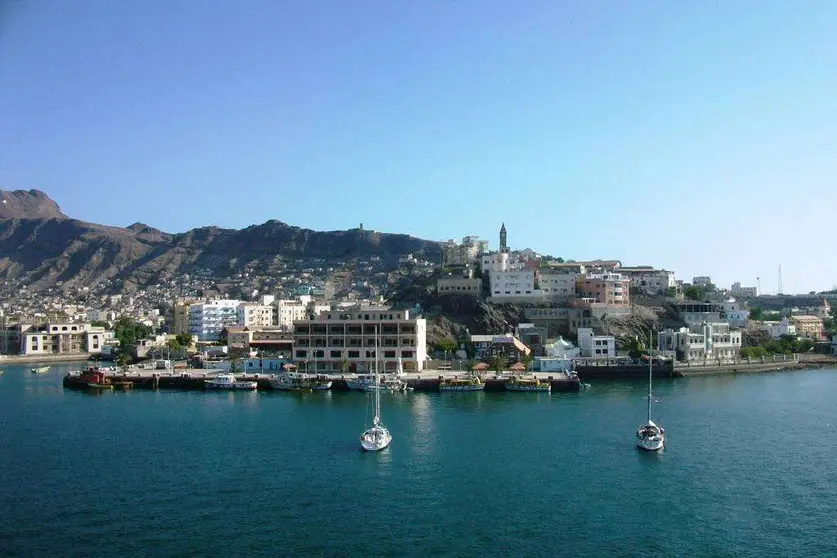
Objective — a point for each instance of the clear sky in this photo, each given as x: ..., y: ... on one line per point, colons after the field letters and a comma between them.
x: 696, y: 136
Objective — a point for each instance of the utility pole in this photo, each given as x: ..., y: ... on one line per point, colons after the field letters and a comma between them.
x: 780, y: 280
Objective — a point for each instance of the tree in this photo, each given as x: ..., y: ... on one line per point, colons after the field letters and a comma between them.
x: 185, y: 339
x: 129, y: 331
x: 527, y: 359
x: 446, y: 344
x: 756, y: 313
x: 694, y: 292
x: 174, y: 344
x: 499, y: 363
x: 100, y: 323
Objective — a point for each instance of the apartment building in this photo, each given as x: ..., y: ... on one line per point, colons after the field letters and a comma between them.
x: 348, y: 336
x: 743, y: 292
x: 250, y: 314
x: 286, y: 312
x: 699, y: 342
x: 648, y: 280
x: 612, y: 289
x: 595, y: 346
x: 207, y: 319
x: 810, y: 327
x: 554, y: 284
x: 459, y: 285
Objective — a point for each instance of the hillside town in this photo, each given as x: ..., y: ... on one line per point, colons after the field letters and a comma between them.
x: 327, y: 315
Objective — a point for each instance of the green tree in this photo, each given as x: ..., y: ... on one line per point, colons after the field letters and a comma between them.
x: 185, y: 339
x: 100, y: 323
x: 756, y: 313
x: 694, y: 292
x: 527, y: 360
x: 129, y: 331
x: 174, y: 344
x: 446, y: 344
x: 499, y: 363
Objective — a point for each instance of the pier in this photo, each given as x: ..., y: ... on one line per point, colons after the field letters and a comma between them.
x: 195, y: 379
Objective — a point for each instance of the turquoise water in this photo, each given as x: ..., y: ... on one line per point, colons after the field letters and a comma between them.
x: 748, y: 471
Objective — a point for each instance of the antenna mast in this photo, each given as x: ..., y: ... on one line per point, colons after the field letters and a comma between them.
x: 780, y: 279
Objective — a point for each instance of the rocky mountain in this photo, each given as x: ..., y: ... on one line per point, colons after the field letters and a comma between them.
x: 42, y: 246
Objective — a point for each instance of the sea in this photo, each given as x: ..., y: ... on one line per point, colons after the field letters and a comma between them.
x: 749, y: 470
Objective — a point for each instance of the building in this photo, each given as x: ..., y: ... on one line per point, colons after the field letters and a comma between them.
x: 780, y: 328
x: 734, y: 314
x: 286, y: 312
x: 701, y: 342
x: 595, y: 346
x: 650, y: 281
x: 62, y: 339
x: 612, y: 289
x: 693, y: 312
x: 810, y: 327
x: 512, y: 283
x: 743, y: 292
x: 702, y: 280
x: 459, y: 286
x: 208, y: 319
x: 348, y: 336
x: 465, y: 253
x: 554, y: 284
x: 251, y: 315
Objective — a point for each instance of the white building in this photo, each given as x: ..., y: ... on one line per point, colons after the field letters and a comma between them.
x: 743, y: 292
x: 514, y: 283
x: 286, y: 312
x: 252, y: 315
x: 208, y: 319
x: 562, y: 349
x: 349, y: 335
x: 700, y: 342
x: 64, y: 338
x: 602, y: 346
x: 734, y: 314
x: 780, y: 328
x: 702, y: 280
x: 555, y: 284
x: 648, y: 280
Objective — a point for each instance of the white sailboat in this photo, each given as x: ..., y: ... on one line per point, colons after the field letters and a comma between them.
x: 377, y: 437
x: 650, y: 436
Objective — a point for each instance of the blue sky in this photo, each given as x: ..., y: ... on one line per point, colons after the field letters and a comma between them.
x: 696, y: 136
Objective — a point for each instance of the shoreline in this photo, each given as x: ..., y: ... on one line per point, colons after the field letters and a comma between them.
x: 12, y: 360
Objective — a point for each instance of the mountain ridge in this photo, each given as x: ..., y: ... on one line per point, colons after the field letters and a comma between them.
x: 42, y: 246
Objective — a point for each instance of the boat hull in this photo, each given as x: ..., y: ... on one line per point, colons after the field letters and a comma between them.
x: 651, y: 445
x: 540, y: 388
x: 375, y: 439
x: 238, y: 386
x: 474, y: 387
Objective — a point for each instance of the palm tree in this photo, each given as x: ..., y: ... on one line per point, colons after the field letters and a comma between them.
x: 499, y: 363
x: 526, y: 360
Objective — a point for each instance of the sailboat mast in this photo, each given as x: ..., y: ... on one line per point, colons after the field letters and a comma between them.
x: 650, y: 372
x: 377, y: 380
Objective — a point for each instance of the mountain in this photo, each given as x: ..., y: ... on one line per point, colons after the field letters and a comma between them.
x: 31, y: 204
x: 42, y: 246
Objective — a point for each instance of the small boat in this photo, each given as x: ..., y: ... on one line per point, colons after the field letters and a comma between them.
x: 471, y: 383
x: 650, y: 436
x: 519, y: 383
x: 97, y: 385
x: 228, y: 382
x: 387, y: 382
x: 377, y: 437
x: 41, y: 370
x: 299, y: 381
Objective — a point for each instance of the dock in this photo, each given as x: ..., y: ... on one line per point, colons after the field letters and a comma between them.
x: 195, y: 379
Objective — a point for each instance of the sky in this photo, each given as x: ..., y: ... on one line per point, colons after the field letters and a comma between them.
x: 695, y: 136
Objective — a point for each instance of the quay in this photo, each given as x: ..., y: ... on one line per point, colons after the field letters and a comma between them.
x: 194, y: 379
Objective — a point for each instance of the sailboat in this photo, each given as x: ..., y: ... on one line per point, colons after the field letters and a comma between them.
x: 650, y: 436
x: 377, y: 437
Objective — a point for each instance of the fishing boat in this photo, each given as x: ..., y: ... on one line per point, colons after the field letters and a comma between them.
x: 519, y: 383
x: 470, y: 383
x: 650, y: 436
x: 95, y: 378
x: 377, y: 437
x: 386, y: 382
x: 299, y: 381
x: 41, y: 370
x: 227, y: 381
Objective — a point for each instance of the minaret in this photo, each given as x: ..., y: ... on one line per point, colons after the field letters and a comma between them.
x: 503, y: 247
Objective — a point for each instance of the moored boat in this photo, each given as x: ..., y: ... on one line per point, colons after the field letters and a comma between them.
x: 299, y: 381
x: 378, y: 436
x: 471, y: 383
x: 650, y: 436
x: 227, y: 381
x: 519, y: 383
x: 40, y: 370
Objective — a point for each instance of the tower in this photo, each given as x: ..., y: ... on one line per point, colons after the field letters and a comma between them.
x: 503, y: 246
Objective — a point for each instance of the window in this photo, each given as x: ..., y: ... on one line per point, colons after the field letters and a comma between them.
x: 301, y: 354
x: 407, y: 354
x: 319, y: 354
x: 389, y: 354
x: 336, y: 354
x: 354, y: 354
